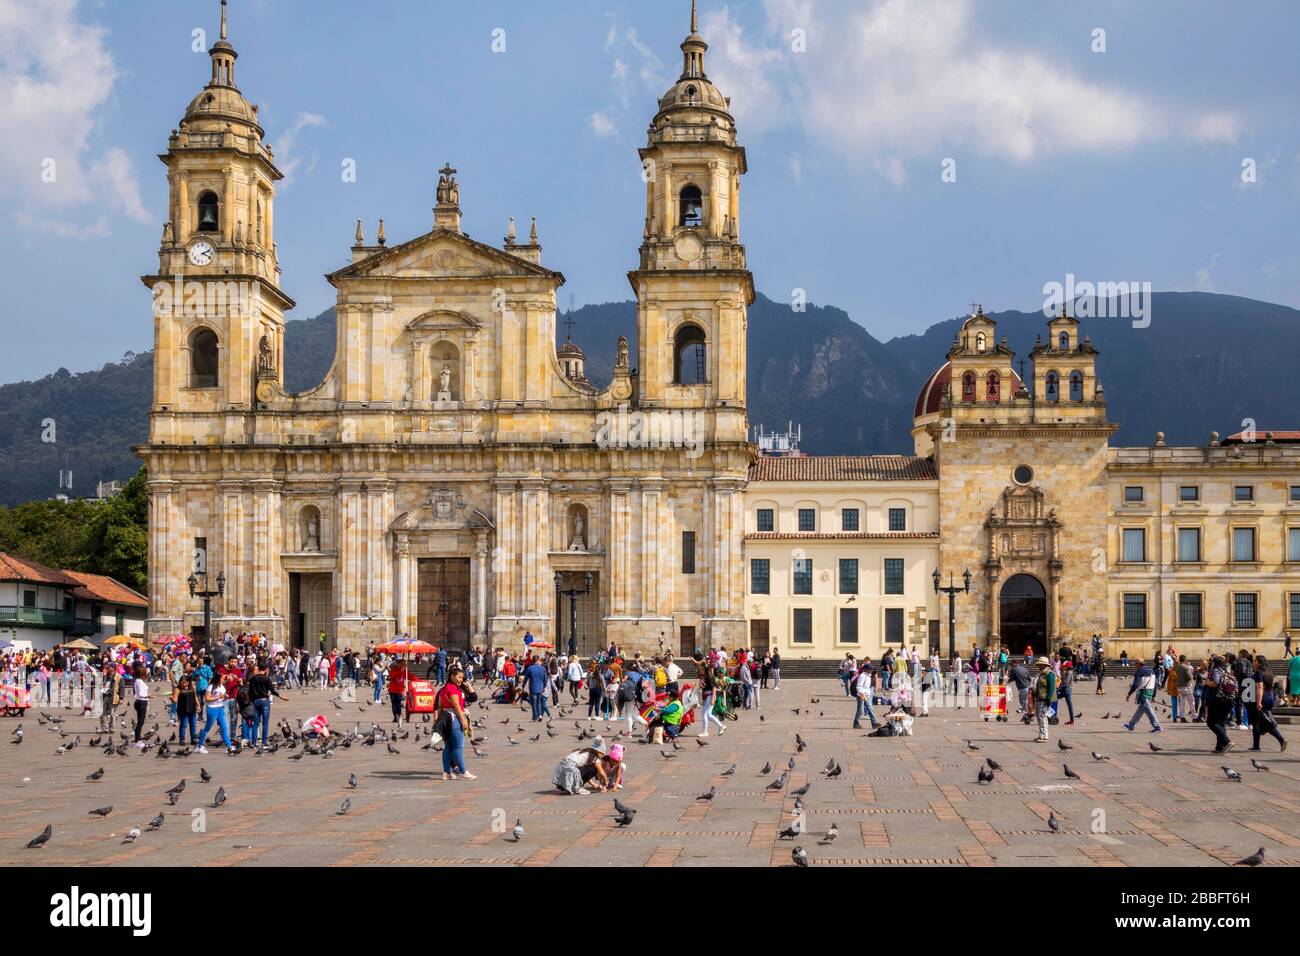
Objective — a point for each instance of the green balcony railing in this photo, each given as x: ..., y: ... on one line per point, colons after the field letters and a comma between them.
x: 35, y: 617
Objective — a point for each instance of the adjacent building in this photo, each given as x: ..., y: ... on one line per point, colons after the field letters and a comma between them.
x: 41, y: 607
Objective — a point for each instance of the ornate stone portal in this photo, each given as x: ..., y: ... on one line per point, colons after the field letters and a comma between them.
x: 1023, y: 538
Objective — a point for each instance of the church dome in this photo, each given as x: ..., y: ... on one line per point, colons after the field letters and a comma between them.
x: 693, y: 92
x: 571, y: 348
x: 931, y: 395
x: 221, y: 103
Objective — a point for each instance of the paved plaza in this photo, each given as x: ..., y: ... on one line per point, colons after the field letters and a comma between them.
x: 911, y: 800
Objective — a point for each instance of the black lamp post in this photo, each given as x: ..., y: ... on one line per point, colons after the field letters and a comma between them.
x: 573, y: 595
x: 952, y: 591
x: 207, y: 594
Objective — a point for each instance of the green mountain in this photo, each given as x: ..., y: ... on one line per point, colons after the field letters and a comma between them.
x: 1205, y: 363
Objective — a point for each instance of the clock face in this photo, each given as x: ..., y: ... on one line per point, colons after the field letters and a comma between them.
x: 201, y: 253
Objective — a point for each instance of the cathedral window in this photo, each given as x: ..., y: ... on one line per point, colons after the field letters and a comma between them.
x: 980, y: 342
x: 968, y: 387
x: 208, y: 218
x: 1053, y: 387
x: 690, y: 362
x: 203, y: 359
x: 692, y: 207
x: 1064, y: 341
x: 993, y: 387
x: 1076, y: 386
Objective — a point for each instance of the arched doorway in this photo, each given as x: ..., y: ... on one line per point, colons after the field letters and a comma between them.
x: 1023, y: 614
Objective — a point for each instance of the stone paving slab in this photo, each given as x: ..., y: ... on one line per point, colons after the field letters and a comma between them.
x: 911, y: 801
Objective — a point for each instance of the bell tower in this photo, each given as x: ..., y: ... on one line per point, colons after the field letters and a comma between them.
x: 218, y: 307
x: 692, y: 287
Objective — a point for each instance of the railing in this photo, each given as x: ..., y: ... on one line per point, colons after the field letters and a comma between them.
x: 84, y: 627
x: 35, y: 617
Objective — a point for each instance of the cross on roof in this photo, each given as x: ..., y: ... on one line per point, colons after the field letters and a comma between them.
x: 975, y: 307
x: 568, y: 328
x: 447, y: 170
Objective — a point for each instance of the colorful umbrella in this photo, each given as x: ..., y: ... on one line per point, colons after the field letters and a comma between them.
x: 124, y: 639
x: 81, y: 644
x: 406, y: 645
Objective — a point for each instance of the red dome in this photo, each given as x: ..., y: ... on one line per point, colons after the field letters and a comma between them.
x: 928, y: 401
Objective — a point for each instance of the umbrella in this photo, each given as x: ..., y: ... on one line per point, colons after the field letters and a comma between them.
x: 406, y: 645
x: 81, y: 644
x: 124, y: 639
x: 548, y: 646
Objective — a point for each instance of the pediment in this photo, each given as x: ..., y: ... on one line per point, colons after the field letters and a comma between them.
x: 442, y: 254
x: 443, y: 320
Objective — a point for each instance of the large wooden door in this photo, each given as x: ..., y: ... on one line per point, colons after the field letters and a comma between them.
x: 443, y: 608
x: 590, y: 639
x: 759, y: 639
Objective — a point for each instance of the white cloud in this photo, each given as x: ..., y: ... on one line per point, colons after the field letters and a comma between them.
x: 285, y: 146
x: 56, y: 75
x: 602, y: 126
x: 893, y: 79
x: 1205, y: 275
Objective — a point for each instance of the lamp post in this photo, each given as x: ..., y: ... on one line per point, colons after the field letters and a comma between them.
x: 573, y: 595
x: 207, y: 594
x: 952, y: 591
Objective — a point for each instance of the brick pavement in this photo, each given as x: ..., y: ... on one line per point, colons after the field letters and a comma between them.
x: 899, y: 801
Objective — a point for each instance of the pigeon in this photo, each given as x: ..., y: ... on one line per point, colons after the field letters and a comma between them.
x: 767, y: 768
x: 830, y: 765
x: 701, y: 743
x: 44, y: 837
x: 518, y: 831
x: 1062, y: 745
x: 730, y: 771
x: 713, y: 792
x: 985, y: 775
x: 102, y: 811
x: 179, y: 788
x: 1231, y: 774
x: 832, y: 833
x: 220, y: 798
x: 1259, y: 766
x: 513, y: 742
x: 623, y: 808
x: 834, y: 773
x: 791, y: 763
x: 792, y: 831
x: 345, y: 806
x: 539, y: 737
x: 667, y: 755
x: 205, y: 776
x: 298, y: 756
x: 1097, y: 756
x: 1053, y: 824
x: 96, y: 775
x: 352, y: 780
x: 132, y: 835
x: 1154, y: 748
x: 970, y: 745
x: 156, y: 823
x: 1070, y: 773
x: 796, y: 711
x: 802, y: 791
x: 778, y: 783
x: 993, y: 764
x: 172, y: 798
x: 623, y: 820
x: 393, y: 750
x: 800, y: 856
x: 1255, y: 859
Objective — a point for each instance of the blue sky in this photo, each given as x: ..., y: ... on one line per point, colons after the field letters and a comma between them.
x: 1117, y: 165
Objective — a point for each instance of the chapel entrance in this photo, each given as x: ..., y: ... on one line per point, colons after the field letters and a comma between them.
x: 442, y: 611
x: 1024, y: 614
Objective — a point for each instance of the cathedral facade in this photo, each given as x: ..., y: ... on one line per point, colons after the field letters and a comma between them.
x: 455, y: 475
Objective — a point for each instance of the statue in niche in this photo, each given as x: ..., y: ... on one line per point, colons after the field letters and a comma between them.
x: 578, y: 542
x: 623, y: 359
x: 265, y: 357
x: 311, y: 533
x: 444, y: 384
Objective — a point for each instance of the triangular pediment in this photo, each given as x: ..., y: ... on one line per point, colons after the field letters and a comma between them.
x: 441, y: 254
x: 442, y: 320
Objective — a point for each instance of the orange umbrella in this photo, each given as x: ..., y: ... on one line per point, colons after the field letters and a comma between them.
x: 406, y: 645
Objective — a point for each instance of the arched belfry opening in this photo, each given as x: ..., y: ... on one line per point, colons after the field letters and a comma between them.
x: 690, y: 356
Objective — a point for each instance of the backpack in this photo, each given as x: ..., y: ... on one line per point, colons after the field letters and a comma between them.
x: 1227, y: 685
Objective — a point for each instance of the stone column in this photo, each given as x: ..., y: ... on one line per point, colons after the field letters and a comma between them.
x: 507, y: 601
x: 163, y: 537
x: 484, y: 569
x: 402, y: 551
x: 653, y: 543
x: 618, y: 546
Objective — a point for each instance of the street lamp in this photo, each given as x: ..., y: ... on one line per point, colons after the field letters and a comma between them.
x: 952, y: 591
x: 207, y: 594
x: 573, y: 595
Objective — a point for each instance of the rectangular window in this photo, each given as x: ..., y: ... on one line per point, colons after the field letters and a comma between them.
x: 765, y: 520
x: 849, y: 520
x: 803, y: 575
x: 1190, y: 616
x: 1294, y: 610
x: 1243, y: 493
x: 29, y: 599
x: 200, y: 556
x: 803, y: 625
x: 760, y: 576
x: 1293, y: 544
x: 1189, y: 493
x: 1135, y: 544
x: 1133, y: 494
x: 1189, y: 544
x: 807, y: 519
x: 848, y: 625
x: 893, y: 575
x: 1295, y: 493
x: 688, y: 552
x: 848, y: 575
x: 1243, y: 544
x: 1135, y: 612
x: 897, y: 519
x: 894, y: 625
x: 1245, y: 613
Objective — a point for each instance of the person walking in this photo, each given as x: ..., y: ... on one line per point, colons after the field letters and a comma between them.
x: 140, y: 688
x: 216, y: 709
x: 260, y: 690
x: 1260, y: 698
x: 862, y: 690
x: 574, y: 676
x: 1184, y: 687
x: 537, y: 679
x: 452, y: 724
x: 186, y: 701
x: 1044, y: 696
x: 1220, y: 690
x: 848, y: 667
x: 708, y: 681
x: 1098, y: 661
x: 595, y: 691
x: 398, y: 678
x: 1144, y: 685
x: 776, y: 669
x: 1066, y: 689
x: 110, y: 695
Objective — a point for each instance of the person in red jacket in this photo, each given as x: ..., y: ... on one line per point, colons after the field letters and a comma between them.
x: 397, y: 684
